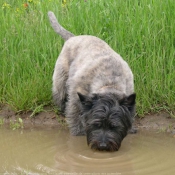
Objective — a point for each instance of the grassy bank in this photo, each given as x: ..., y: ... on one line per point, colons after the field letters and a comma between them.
x: 141, y: 31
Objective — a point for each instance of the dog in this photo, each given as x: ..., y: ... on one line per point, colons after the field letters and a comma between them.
x: 94, y: 87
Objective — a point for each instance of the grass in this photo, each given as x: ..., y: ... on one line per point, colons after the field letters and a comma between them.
x: 17, y: 124
x: 141, y: 31
x: 1, y: 122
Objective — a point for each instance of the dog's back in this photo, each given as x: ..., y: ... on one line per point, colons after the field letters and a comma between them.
x: 93, y: 67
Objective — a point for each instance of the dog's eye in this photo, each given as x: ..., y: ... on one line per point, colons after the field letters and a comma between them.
x: 97, y: 125
x: 112, y: 126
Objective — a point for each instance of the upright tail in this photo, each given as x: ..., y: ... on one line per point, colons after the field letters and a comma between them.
x: 58, y: 28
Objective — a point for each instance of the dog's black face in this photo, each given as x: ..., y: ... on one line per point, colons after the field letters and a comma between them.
x: 107, y: 120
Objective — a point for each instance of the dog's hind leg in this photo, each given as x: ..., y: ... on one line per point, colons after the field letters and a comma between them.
x: 59, y: 89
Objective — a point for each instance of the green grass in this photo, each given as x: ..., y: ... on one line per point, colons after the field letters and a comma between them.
x: 141, y: 31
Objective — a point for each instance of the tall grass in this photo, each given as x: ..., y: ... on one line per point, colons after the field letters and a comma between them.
x: 141, y: 31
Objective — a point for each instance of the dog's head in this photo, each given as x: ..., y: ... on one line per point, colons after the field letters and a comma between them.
x: 107, y: 119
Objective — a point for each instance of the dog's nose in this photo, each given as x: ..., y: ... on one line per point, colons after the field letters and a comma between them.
x: 103, y: 146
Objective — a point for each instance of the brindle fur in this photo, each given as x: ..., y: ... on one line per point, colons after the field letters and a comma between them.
x: 88, y: 66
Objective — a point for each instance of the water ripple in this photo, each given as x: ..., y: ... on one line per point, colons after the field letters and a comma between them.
x: 55, y: 151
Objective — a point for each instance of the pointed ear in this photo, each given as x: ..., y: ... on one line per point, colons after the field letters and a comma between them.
x: 85, y: 101
x: 82, y: 97
x: 129, y: 101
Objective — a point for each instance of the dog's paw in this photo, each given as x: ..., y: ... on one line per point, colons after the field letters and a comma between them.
x: 133, y: 131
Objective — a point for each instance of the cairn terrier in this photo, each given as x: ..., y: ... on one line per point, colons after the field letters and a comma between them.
x: 93, y: 86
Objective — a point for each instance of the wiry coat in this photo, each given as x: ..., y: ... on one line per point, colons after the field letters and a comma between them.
x: 86, y: 65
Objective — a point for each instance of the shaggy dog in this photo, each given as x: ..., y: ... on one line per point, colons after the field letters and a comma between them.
x: 93, y: 86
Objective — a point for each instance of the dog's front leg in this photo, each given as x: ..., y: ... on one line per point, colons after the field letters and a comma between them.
x: 74, y: 118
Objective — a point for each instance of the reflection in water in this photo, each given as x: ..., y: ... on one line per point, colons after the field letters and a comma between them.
x: 52, y: 151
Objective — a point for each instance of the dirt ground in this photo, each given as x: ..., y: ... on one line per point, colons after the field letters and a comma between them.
x: 161, y: 122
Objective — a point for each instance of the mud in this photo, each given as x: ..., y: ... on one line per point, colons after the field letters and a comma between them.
x: 45, y: 118
x: 162, y: 122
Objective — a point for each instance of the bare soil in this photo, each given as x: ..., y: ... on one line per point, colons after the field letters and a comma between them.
x: 161, y: 122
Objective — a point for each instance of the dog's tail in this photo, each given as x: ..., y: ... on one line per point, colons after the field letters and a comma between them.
x: 58, y: 28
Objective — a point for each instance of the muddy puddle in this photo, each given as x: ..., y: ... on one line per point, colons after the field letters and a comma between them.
x: 54, y: 151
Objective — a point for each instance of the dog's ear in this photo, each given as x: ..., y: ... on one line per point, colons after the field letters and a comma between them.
x: 85, y: 101
x: 128, y: 101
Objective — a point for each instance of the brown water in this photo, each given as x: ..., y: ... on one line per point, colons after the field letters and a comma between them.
x: 54, y: 151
